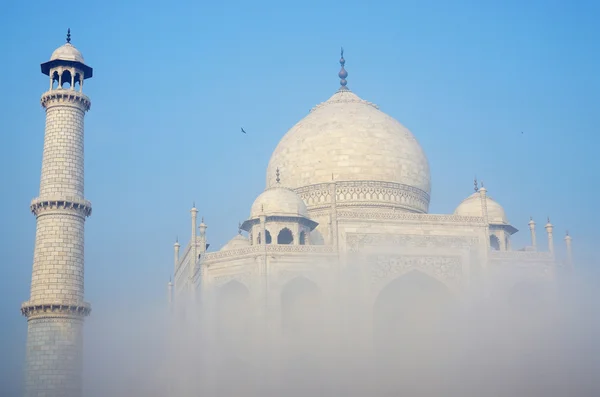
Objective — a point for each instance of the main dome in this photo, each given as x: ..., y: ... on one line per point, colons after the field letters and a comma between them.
x: 349, y: 139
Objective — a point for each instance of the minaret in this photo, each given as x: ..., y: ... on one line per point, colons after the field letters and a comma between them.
x: 202, y: 229
x: 549, y: 228
x: 56, y: 309
x: 532, y: 230
x: 568, y: 241
x: 194, y: 243
x: 176, y: 248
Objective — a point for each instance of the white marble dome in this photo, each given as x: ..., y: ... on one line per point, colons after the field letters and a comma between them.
x: 471, y: 206
x: 349, y: 139
x: 67, y: 52
x: 278, y: 201
x: 238, y: 241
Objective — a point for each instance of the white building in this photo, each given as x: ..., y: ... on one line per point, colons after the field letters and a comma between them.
x: 347, y: 192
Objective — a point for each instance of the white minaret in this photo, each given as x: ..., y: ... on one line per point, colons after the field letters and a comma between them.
x: 532, y: 231
x: 568, y: 242
x: 549, y: 228
x: 56, y: 308
x: 194, y: 247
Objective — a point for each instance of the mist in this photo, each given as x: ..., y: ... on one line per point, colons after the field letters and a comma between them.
x: 416, y: 338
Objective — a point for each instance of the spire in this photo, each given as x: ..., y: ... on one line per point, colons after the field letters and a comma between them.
x: 69, y: 35
x: 277, y: 179
x: 475, y: 185
x: 343, y: 74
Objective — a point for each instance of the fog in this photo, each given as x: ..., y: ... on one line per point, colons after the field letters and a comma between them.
x: 417, y: 337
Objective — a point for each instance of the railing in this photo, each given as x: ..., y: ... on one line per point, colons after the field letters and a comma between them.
x: 411, y: 216
x: 270, y: 248
x: 521, y: 255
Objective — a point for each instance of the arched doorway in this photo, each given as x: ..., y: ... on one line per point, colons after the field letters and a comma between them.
x: 411, y: 317
x: 233, y: 334
x: 301, y: 307
x: 302, y: 327
x: 231, y: 311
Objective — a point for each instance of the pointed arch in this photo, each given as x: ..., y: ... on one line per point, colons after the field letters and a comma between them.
x: 301, y: 306
x: 411, y: 316
x: 494, y: 243
x: 231, y: 310
x: 302, y: 238
x: 285, y: 236
x: 66, y: 78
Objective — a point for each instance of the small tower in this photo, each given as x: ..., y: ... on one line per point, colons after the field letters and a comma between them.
x: 202, y: 243
x: 56, y: 307
x: 193, y: 245
x: 568, y: 242
x: 532, y: 231
x: 549, y: 227
x: 176, y: 248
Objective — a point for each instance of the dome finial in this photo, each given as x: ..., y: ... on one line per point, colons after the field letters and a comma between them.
x: 69, y: 35
x: 343, y: 74
x: 240, y: 228
x: 476, y: 187
x: 277, y: 179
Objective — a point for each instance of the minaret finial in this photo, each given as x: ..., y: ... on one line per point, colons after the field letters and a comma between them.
x: 343, y: 74
x: 202, y: 220
x: 69, y: 35
x: 277, y: 179
x: 476, y: 186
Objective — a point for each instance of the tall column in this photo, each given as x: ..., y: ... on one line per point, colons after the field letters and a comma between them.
x: 56, y: 307
x: 568, y: 242
x: 176, y: 248
x: 532, y: 230
x: 194, y: 247
x: 202, y: 229
x: 549, y: 228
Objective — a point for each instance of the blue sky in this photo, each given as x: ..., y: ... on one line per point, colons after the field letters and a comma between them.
x: 174, y: 82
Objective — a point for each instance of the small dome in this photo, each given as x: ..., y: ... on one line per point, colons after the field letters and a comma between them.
x: 238, y: 241
x: 471, y: 206
x: 67, y: 52
x: 278, y: 201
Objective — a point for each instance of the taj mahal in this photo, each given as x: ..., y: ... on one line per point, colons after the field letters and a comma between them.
x: 344, y: 218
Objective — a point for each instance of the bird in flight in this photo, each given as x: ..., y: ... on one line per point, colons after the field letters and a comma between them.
x: 243, y: 131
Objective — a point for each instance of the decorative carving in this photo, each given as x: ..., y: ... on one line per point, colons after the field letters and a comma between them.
x: 244, y: 278
x: 521, y: 255
x: 38, y: 310
x: 82, y: 207
x: 248, y: 251
x: 386, y: 267
x: 357, y: 241
x: 369, y: 193
x: 63, y: 97
x: 411, y: 216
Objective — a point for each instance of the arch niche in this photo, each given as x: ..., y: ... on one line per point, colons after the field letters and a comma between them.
x: 231, y: 311
x: 302, y: 326
x: 410, y: 319
x: 301, y: 307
